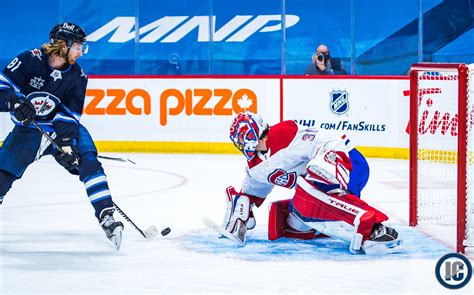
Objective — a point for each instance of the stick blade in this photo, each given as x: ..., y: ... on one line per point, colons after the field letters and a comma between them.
x: 151, y: 232
x: 214, y: 226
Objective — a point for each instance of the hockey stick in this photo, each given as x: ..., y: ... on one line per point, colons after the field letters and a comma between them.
x: 148, y: 233
x: 116, y: 159
x: 51, y: 140
x: 54, y: 144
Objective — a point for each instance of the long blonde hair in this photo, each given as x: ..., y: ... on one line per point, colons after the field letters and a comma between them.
x: 56, y: 48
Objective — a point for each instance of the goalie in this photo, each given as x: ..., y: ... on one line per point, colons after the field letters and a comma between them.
x: 328, y: 174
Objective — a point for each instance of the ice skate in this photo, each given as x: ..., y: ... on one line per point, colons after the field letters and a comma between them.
x: 383, y: 240
x: 113, y: 229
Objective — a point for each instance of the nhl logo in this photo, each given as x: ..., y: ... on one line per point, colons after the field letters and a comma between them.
x: 339, y: 103
x: 56, y: 74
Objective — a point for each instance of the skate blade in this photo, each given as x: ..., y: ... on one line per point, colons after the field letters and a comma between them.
x: 219, y: 229
x: 380, y: 248
x: 116, y: 237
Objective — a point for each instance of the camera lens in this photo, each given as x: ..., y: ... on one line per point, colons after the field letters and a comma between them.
x: 320, y: 57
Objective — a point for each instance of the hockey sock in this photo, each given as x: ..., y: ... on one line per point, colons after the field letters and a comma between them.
x: 98, y: 192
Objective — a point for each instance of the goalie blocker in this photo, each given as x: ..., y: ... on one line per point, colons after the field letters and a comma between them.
x: 313, y: 213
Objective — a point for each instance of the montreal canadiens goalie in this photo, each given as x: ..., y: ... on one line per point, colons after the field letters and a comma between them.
x: 328, y: 174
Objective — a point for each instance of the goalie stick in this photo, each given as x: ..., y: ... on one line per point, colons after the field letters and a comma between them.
x: 214, y: 226
x: 148, y: 233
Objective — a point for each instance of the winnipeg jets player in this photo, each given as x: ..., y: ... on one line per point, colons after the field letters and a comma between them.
x: 48, y: 86
x: 328, y: 174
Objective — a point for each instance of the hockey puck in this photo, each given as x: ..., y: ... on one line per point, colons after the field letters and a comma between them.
x: 165, y: 231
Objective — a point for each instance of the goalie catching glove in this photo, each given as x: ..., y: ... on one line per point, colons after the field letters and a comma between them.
x: 330, y: 171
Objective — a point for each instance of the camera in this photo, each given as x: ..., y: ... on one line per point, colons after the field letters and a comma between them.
x: 322, y: 57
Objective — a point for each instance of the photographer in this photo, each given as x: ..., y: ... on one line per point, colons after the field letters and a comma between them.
x: 321, y: 62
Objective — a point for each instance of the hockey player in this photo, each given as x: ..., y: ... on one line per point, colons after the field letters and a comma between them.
x: 328, y: 174
x: 48, y: 86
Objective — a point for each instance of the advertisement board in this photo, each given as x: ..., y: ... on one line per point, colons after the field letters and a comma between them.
x: 372, y: 112
x: 193, y: 114
x: 165, y: 109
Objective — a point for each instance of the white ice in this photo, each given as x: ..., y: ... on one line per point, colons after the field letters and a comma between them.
x: 50, y: 242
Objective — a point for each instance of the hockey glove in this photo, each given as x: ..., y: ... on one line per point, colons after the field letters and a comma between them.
x: 23, y: 110
x: 329, y: 170
x: 239, y: 217
x: 69, y: 158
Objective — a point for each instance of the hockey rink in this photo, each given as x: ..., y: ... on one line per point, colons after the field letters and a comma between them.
x: 51, y: 243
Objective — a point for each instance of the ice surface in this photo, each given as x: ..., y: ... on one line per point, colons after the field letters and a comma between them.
x: 50, y: 242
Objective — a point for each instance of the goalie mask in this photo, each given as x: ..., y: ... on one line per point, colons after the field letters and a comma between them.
x: 245, y: 131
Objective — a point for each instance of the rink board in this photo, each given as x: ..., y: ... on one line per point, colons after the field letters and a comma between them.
x: 192, y: 114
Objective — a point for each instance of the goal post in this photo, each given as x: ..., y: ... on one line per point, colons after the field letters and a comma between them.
x: 441, y: 149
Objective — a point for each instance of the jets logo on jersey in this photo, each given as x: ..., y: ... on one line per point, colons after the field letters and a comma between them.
x: 339, y: 102
x: 44, y: 102
x: 282, y: 178
x: 36, y: 82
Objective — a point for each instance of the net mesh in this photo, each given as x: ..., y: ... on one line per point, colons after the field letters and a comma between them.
x: 469, y: 237
x: 437, y: 150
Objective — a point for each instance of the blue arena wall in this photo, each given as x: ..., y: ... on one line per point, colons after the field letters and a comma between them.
x: 192, y: 37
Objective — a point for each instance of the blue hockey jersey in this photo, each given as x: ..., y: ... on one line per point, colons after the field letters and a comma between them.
x: 58, y: 95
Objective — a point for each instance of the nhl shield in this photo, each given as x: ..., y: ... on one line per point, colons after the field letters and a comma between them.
x: 339, y: 103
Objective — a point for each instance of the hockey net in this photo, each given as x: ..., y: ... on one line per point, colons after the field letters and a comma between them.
x: 441, y: 151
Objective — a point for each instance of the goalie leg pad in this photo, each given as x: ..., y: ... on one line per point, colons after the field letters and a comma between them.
x: 313, y: 206
x: 279, y: 223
